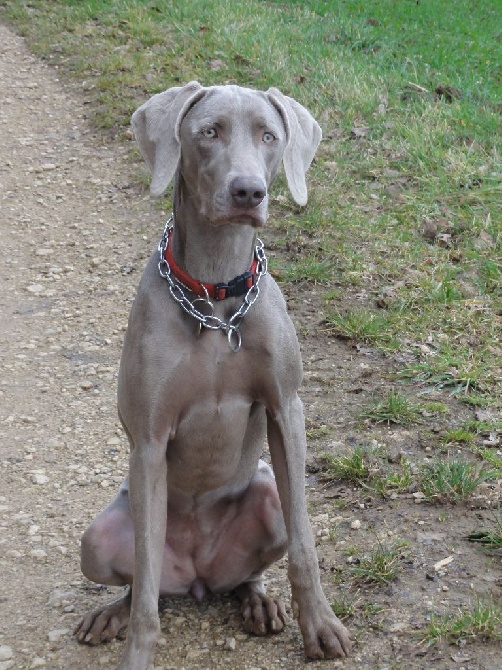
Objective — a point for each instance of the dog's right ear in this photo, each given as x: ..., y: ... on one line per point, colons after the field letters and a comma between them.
x: 156, y: 127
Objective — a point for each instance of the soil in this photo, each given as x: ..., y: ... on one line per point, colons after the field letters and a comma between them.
x: 76, y: 230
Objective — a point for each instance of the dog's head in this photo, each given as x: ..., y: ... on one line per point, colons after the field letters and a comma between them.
x: 228, y: 143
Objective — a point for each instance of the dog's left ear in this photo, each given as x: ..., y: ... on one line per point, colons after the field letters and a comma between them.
x: 303, y: 135
x: 156, y: 128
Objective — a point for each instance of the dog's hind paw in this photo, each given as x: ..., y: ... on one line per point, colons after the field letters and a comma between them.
x: 105, y: 623
x: 262, y: 614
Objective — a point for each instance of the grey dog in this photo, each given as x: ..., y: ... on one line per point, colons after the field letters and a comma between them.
x: 211, y: 369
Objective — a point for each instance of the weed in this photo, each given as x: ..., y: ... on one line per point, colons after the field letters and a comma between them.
x: 362, y: 324
x: 393, y: 408
x: 356, y: 467
x: 344, y: 606
x: 433, y: 408
x: 349, y: 605
x: 308, y: 268
x: 483, y: 620
x: 451, y: 480
x: 369, y: 467
x: 397, y: 481
x: 457, y: 436
x: 381, y: 565
x: 314, y: 432
x: 370, y: 609
x: 489, y: 539
x: 491, y: 457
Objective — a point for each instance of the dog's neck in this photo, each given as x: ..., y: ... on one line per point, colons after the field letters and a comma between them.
x: 209, y: 252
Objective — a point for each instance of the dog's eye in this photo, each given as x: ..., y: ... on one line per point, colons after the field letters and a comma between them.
x: 210, y: 133
x: 268, y: 138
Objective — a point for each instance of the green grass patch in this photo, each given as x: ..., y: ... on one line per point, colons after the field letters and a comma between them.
x: 381, y: 565
x: 361, y: 324
x: 440, y: 480
x: 489, y: 538
x: 403, y: 226
x: 457, y: 436
x: 371, y: 468
x: 481, y: 621
x: 395, y: 408
x: 451, y: 480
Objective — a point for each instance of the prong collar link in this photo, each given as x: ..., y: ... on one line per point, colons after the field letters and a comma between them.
x: 244, y: 283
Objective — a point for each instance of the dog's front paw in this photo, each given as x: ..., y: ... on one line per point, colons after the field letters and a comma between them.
x: 324, y: 635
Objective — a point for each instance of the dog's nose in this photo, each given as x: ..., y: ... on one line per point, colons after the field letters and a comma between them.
x: 247, y: 192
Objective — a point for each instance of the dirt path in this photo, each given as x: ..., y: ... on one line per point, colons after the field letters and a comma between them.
x: 75, y: 234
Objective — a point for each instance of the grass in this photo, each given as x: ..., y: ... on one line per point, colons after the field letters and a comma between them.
x: 451, y: 480
x: 490, y: 538
x: 370, y: 468
x: 440, y: 480
x: 404, y: 215
x: 357, y: 467
x: 481, y: 621
x: 348, y: 605
x: 393, y: 408
x: 381, y: 565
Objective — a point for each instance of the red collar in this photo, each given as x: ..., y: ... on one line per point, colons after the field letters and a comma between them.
x: 237, y: 286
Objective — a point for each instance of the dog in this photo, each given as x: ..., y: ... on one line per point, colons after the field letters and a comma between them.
x: 210, y: 371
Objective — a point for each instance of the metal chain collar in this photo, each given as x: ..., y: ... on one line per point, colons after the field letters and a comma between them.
x: 210, y: 320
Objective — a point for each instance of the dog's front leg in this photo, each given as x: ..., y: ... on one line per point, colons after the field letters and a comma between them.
x: 148, y: 500
x: 324, y: 635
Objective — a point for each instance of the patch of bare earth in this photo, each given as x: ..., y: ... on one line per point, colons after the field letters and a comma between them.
x: 75, y: 234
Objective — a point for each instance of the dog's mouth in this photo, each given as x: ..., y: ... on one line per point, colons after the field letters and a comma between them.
x: 240, y: 217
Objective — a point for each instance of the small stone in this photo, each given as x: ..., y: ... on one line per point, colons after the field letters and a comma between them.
x: 39, y: 554
x: 230, y: 644
x: 355, y: 525
x: 195, y: 654
x: 6, y: 652
x: 57, y: 634
x: 35, y: 288
x: 44, y: 251
x: 37, y: 662
x: 60, y: 597
x: 86, y: 385
x: 39, y: 479
x: 113, y: 442
x: 28, y: 419
x: 178, y: 620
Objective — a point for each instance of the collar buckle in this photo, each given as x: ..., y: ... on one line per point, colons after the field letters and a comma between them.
x: 237, y: 286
